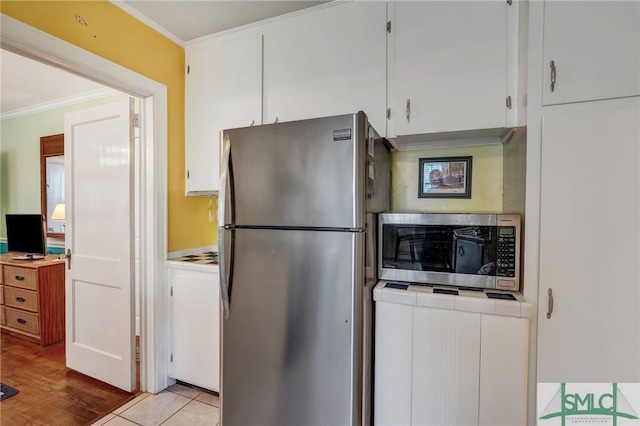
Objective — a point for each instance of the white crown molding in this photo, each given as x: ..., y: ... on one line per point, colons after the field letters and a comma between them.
x: 148, y: 21
x: 267, y: 21
x: 70, y: 100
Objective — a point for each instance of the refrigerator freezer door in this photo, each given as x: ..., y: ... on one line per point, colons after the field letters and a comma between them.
x: 308, y: 173
x: 291, y: 346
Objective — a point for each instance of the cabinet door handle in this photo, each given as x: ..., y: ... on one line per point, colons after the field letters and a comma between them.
x: 408, y: 110
x: 19, y: 278
x: 553, y: 75
x: 22, y: 321
x: 20, y: 299
x: 550, y: 307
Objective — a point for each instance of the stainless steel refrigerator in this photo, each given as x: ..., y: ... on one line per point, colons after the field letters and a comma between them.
x: 297, y: 245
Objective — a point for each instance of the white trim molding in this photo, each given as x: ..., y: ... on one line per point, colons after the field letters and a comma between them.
x: 33, y: 43
x: 70, y: 100
x: 147, y: 21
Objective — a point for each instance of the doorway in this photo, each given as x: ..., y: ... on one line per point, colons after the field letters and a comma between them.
x: 27, y: 41
x: 27, y: 121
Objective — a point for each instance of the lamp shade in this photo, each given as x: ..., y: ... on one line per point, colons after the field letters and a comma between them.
x: 58, y: 212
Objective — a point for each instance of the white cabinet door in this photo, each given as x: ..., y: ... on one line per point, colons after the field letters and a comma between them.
x: 447, y: 66
x: 595, y: 47
x: 503, y: 370
x: 446, y: 367
x: 195, y: 327
x: 329, y: 62
x: 393, y: 355
x: 589, y: 247
x: 223, y: 90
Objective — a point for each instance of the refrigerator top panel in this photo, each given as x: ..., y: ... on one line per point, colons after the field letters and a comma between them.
x: 309, y: 173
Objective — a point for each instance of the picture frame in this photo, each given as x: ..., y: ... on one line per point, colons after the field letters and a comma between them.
x: 445, y: 177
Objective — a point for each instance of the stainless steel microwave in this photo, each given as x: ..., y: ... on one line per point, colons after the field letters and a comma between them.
x: 457, y: 249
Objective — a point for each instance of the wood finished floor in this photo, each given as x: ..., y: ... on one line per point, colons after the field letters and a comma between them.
x: 50, y: 393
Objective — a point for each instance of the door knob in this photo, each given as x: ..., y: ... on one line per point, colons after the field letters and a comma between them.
x: 67, y: 257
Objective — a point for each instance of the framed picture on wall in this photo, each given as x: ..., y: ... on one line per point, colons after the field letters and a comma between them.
x: 445, y: 177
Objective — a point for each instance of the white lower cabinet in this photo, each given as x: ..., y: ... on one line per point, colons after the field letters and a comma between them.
x: 448, y: 366
x: 393, y: 367
x: 504, y: 356
x: 195, y: 325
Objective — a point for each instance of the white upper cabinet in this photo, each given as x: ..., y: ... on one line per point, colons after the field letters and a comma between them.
x: 447, y: 66
x: 595, y: 50
x: 223, y: 90
x: 327, y: 62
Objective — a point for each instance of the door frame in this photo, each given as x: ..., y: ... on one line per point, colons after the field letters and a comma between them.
x: 22, y: 39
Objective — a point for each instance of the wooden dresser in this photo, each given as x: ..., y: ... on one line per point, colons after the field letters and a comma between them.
x: 32, y: 298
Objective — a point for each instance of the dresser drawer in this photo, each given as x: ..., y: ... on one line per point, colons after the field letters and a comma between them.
x: 20, y: 277
x: 21, y: 298
x: 3, y: 319
x: 22, y: 320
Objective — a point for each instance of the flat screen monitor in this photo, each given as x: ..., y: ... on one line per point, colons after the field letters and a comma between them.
x: 26, y: 235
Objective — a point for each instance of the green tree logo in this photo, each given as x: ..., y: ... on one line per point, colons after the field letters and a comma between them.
x: 612, y: 404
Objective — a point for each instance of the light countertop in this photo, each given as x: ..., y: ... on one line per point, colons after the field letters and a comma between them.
x: 466, y: 300
x: 207, y: 261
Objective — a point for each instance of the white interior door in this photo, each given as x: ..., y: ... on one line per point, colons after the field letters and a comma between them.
x: 100, y: 273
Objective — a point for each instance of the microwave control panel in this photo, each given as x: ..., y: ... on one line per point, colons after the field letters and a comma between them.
x: 506, y: 259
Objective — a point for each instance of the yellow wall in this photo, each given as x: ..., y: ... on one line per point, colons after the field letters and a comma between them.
x: 486, y: 180
x: 117, y: 36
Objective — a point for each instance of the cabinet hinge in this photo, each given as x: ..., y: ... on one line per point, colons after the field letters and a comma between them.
x: 508, y: 102
x: 388, y: 26
x: 171, y: 291
x: 509, y: 2
x: 188, y: 69
x: 171, y: 356
x: 388, y: 113
x: 136, y: 121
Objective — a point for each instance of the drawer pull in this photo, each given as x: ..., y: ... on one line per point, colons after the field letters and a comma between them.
x: 20, y: 299
x: 19, y: 278
x: 22, y: 321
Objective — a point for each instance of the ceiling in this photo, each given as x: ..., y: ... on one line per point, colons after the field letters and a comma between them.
x: 28, y: 86
x: 190, y: 19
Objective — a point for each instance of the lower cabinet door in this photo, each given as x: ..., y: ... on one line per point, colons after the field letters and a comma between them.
x: 195, y: 328
x: 392, y: 375
x: 503, y: 370
x: 446, y: 367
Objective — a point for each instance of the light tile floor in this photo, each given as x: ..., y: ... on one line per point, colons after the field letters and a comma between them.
x: 179, y: 405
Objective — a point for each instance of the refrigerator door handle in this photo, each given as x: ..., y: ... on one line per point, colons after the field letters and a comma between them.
x: 225, y: 282
x: 224, y: 178
x: 225, y: 277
